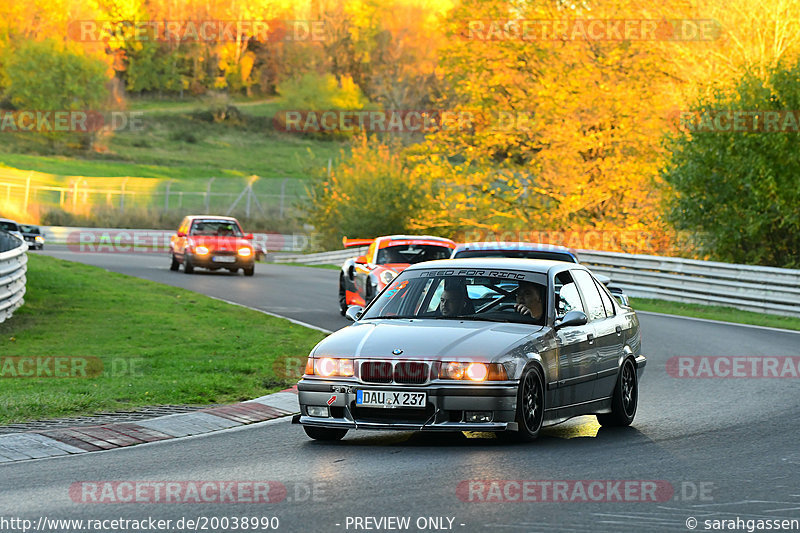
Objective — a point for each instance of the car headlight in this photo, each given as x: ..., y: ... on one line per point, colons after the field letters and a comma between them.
x: 245, y: 251
x: 39, y: 238
x: 329, y: 367
x: 201, y: 250
x: 473, y: 371
x: 387, y: 276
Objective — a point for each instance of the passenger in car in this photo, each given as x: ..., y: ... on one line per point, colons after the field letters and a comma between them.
x: 529, y: 300
x: 454, y: 301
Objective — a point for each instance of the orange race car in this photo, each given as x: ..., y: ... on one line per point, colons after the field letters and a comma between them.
x: 364, y: 277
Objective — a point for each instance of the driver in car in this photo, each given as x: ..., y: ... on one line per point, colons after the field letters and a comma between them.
x: 529, y: 300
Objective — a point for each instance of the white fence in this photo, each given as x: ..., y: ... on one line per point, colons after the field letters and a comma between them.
x: 13, y: 265
x: 752, y: 288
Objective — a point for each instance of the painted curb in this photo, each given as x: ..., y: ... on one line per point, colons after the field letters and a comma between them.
x: 82, y: 439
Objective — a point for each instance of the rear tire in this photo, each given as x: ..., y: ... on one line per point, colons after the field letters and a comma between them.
x: 625, y: 399
x: 188, y: 267
x: 327, y: 434
x: 530, y: 407
x: 342, y: 296
x: 174, y: 265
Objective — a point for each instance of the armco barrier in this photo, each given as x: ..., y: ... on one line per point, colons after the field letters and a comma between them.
x: 324, y: 258
x: 751, y: 288
x: 13, y: 265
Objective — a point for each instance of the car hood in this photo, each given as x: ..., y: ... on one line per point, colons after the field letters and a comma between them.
x: 220, y: 243
x: 452, y: 340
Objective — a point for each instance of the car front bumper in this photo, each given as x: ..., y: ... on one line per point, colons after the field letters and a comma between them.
x: 446, y: 407
x: 207, y: 261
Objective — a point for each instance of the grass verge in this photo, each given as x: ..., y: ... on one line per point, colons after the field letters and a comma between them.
x: 725, y: 314
x: 158, y: 345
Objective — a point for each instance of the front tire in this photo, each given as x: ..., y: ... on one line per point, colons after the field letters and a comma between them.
x: 625, y: 399
x: 326, y: 434
x: 249, y: 271
x: 530, y: 407
x: 188, y: 267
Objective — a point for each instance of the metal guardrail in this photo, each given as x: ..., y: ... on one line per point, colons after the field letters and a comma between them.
x: 323, y: 258
x: 751, y: 288
x: 770, y: 290
x: 13, y: 265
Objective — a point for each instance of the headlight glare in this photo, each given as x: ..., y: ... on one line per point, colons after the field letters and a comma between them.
x: 473, y: 371
x: 245, y: 251
x: 477, y: 372
x: 201, y: 250
x: 329, y: 367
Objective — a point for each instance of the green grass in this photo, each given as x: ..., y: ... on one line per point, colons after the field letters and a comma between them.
x: 725, y: 314
x: 179, y: 141
x: 186, y: 348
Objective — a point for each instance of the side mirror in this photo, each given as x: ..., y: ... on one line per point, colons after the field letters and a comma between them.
x: 353, y: 313
x: 181, y: 234
x: 361, y: 260
x: 620, y: 296
x: 249, y: 236
x: 573, y: 318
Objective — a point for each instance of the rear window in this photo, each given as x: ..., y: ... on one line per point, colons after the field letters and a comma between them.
x: 8, y: 226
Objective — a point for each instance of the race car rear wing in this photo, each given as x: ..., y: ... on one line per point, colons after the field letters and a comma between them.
x: 347, y: 243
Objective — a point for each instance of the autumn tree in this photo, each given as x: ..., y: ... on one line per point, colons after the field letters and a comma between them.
x: 739, y: 182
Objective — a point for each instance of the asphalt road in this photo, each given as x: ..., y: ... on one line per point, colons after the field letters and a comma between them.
x: 728, y: 448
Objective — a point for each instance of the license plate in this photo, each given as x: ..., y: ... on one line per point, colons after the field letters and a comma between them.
x: 223, y: 259
x: 390, y: 399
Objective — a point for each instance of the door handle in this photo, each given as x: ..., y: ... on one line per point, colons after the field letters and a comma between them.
x: 590, y: 338
x: 619, y: 331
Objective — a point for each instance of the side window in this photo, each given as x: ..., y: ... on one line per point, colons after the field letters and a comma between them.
x: 566, y: 295
x: 607, y: 300
x: 594, y: 304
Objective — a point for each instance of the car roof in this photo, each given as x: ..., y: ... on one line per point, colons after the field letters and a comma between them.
x: 541, y: 266
x: 9, y: 220
x: 508, y: 245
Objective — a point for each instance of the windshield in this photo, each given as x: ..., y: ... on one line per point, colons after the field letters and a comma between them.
x: 497, y: 297
x: 8, y: 226
x: 517, y: 254
x: 216, y: 228
x: 412, y: 253
x: 29, y: 229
